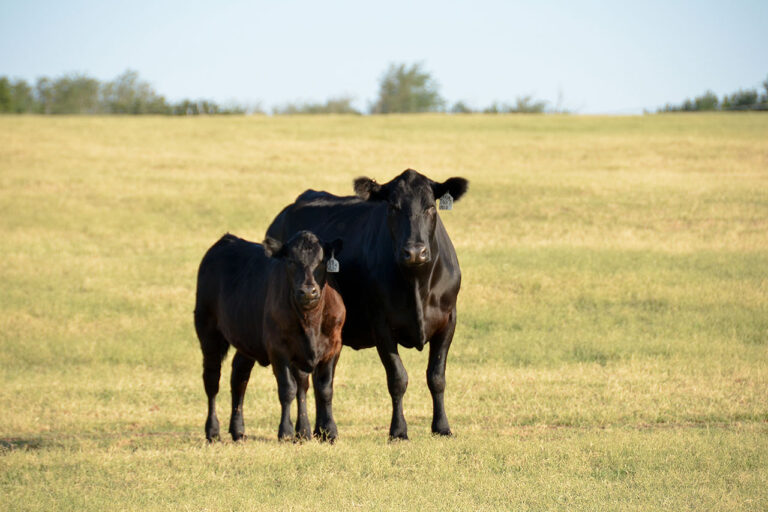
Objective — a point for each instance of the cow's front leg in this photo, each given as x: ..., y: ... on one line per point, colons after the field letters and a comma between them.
x: 322, y: 380
x: 241, y: 372
x: 286, y: 391
x: 303, y: 430
x: 438, y: 353
x: 397, y: 382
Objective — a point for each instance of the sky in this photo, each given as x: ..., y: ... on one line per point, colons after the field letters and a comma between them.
x: 590, y: 57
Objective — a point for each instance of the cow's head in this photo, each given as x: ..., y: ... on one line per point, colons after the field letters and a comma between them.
x: 305, y: 258
x: 411, y: 213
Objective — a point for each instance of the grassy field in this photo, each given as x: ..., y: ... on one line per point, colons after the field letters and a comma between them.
x: 611, y: 352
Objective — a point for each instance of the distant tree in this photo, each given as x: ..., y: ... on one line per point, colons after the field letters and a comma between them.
x: 527, y: 105
x: 23, y: 99
x: 44, y: 95
x: 707, y: 101
x: 461, y: 108
x: 497, y: 108
x: 75, y: 94
x: 5, y: 95
x: 407, y: 89
x: 523, y: 105
x: 127, y: 94
x: 338, y: 105
x: 765, y: 95
x: 743, y: 99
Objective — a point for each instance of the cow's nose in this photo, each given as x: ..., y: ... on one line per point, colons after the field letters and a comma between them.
x: 415, y: 254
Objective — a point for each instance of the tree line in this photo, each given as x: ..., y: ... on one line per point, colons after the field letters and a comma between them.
x: 743, y: 99
x: 81, y: 94
x: 403, y: 88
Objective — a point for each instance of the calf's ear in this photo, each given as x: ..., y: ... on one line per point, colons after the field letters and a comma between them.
x: 366, y: 188
x: 454, y: 186
x: 272, y: 247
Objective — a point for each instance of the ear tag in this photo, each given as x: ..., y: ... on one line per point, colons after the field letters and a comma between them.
x: 333, y: 265
x: 446, y: 201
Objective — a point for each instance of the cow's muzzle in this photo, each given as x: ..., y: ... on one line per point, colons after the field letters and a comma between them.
x: 414, y: 255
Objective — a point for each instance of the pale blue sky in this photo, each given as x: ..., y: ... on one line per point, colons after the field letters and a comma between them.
x: 602, y: 57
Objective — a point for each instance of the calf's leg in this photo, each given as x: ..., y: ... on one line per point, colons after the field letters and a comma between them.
x: 322, y: 381
x: 438, y: 352
x: 241, y: 372
x: 302, y: 420
x: 286, y: 391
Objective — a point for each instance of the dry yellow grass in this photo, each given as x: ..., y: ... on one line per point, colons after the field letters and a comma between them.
x: 613, y: 320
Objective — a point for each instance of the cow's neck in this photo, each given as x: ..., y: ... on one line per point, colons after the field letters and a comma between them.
x: 419, y: 285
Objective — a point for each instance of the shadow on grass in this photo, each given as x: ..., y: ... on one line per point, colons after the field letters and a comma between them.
x: 16, y: 443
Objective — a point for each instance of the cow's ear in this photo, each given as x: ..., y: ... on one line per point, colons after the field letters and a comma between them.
x: 272, y: 247
x: 332, y: 248
x: 366, y: 188
x: 454, y: 186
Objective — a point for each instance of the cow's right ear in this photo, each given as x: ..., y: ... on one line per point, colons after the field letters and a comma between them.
x: 366, y: 189
x: 272, y: 247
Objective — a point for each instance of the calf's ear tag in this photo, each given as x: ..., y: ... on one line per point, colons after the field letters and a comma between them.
x: 446, y: 201
x: 333, y: 265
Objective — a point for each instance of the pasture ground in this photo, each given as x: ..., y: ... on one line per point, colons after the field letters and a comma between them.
x: 612, y: 348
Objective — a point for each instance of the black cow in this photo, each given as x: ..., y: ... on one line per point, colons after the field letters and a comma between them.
x: 275, y: 304
x: 399, y: 278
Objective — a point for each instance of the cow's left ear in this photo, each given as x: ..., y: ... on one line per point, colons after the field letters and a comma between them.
x: 332, y: 248
x: 272, y: 247
x: 454, y: 186
x: 366, y: 188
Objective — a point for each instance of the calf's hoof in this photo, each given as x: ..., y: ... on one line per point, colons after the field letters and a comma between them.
x: 286, y: 434
x: 212, y: 429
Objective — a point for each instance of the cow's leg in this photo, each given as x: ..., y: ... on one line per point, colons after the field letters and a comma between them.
x: 302, y: 419
x: 438, y: 352
x: 241, y: 372
x: 397, y: 382
x: 214, y: 348
x: 322, y: 381
x: 286, y: 391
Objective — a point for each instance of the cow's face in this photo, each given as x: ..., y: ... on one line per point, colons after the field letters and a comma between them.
x: 305, y: 258
x: 411, y: 213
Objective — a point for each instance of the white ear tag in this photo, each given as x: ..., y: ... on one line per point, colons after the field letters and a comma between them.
x: 446, y: 202
x: 333, y: 265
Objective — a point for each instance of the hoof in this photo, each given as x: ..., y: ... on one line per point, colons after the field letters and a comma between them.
x: 398, y: 437
x: 212, y: 430
x: 328, y: 435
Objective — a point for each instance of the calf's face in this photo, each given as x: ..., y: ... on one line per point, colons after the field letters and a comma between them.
x: 411, y: 212
x: 305, y: 258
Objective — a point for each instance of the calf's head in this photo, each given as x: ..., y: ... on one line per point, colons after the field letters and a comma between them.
x: 411, y: 213
x: 305, y: 258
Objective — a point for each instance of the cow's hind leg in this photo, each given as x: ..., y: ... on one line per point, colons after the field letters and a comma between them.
x: 214, y: 348
x: 241, y: 372
x: 303, y: 431
x: 438, y: 352
x: 322, y: 381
